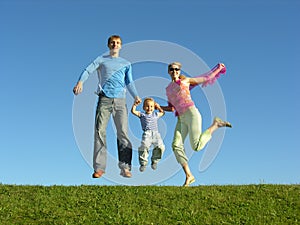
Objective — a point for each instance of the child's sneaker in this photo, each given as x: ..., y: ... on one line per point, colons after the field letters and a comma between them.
x: 142, y: 168
x: 154, y: 166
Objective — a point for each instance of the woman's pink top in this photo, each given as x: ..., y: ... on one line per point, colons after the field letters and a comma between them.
x: 179, y: 96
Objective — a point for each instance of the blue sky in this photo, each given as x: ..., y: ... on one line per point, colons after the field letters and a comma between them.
x: 45, y: 45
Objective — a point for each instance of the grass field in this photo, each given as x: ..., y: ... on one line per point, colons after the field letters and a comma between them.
x: 245, y: 204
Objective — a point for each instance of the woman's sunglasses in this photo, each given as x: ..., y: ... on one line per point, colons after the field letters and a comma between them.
x: 172, y: 69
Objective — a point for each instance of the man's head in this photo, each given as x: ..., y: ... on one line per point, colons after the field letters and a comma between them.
x: 114, y: 43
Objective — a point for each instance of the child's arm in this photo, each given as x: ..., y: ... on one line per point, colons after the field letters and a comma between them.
x: 207, y: 76
x: 134, y: 111
x: 158, y: 107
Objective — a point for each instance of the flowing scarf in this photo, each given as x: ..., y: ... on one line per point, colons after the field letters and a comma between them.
x: 210, y: 81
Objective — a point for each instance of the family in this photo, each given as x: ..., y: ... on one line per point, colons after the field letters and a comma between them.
x: 115, y: 75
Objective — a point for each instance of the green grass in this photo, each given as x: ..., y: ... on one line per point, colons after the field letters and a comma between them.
x: 245, y: 204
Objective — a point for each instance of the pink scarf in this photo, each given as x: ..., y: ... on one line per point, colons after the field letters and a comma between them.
x: 210, y: 81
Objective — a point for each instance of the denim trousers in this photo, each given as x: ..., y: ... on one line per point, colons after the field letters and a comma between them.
x: 190, y: 122
x: 115, y: 107
x: 149, y: 138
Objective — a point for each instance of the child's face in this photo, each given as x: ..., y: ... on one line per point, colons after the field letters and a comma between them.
x: 149, y: 107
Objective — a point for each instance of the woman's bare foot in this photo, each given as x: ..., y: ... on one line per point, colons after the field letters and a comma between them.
x: 221, y: 123
x: 188, y: 181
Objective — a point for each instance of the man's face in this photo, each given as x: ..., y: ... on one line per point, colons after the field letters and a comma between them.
x: 115, y: 44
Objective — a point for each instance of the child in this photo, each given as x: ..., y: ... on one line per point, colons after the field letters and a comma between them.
x: 151, y: 136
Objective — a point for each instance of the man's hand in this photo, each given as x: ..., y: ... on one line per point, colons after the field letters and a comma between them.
x: 78, y: 88
x: 137, y: 100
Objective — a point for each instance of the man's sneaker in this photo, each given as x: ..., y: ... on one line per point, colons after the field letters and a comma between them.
x: 154, y: 166
x: 98, y: 174
x: 125, y: 173
x: 142, y: 168
x: 221, y: 123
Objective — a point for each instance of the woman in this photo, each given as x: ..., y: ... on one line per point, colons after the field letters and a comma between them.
x: 189, y: 118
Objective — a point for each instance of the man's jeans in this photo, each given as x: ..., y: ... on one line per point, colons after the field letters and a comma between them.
x: 118, y: 109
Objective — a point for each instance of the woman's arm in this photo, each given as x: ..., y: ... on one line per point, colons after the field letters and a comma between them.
x: 168, y: 108
x: 208, y: 76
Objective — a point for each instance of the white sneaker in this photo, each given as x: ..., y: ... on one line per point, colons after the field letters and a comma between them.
x: 142, y: 168
x: 154, y: 166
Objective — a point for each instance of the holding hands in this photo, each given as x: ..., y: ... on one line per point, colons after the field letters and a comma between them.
x: 137, y: 100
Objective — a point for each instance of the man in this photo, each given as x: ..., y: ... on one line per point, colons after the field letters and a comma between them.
x: 114, y: 73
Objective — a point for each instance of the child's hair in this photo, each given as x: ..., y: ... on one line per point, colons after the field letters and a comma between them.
x: 148, y: 99
x: 113, y: 36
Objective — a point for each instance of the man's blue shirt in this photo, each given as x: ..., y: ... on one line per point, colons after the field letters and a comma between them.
x: 114, y: 74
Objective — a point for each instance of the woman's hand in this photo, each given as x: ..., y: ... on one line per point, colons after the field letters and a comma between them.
x: 221, y: 67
